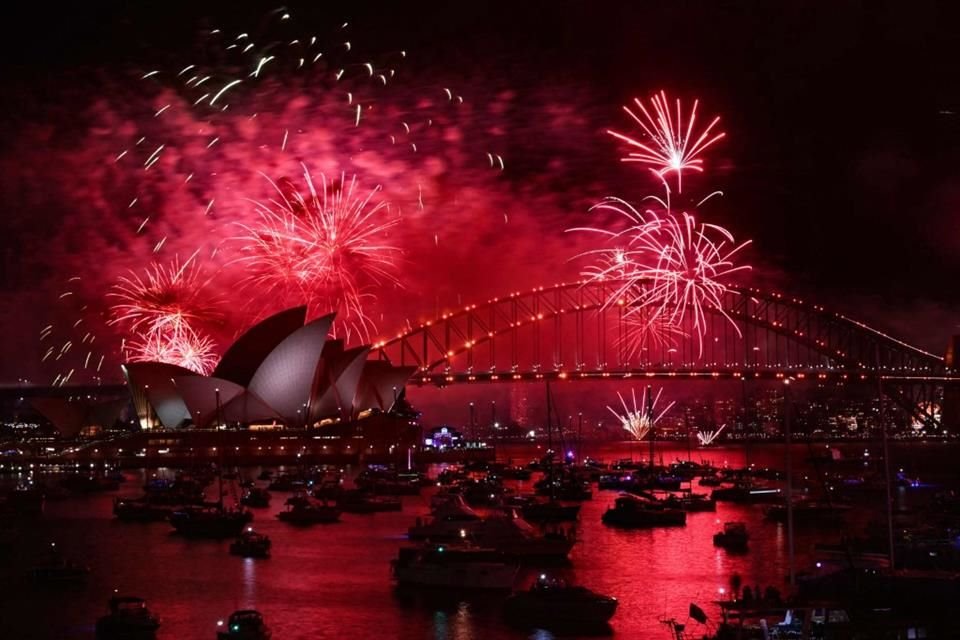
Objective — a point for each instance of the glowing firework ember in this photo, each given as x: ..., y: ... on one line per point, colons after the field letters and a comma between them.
x: 706, y: 437
x: 326, y: 246
x: 667, y: 266
x: 670, y: 145
x: 641, y: 419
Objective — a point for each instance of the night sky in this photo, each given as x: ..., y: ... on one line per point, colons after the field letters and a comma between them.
x: 841, y: 159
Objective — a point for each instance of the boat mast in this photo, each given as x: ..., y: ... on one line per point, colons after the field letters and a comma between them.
x: 886, y: 462
x: 219, y: 456
x: 653, y: 432
x: 788, y: 435
x: 553, y: 489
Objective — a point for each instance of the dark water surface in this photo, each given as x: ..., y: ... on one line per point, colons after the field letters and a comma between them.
x: 334, y: 581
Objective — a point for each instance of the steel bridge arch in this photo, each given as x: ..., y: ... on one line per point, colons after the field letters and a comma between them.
x: 530, y: 335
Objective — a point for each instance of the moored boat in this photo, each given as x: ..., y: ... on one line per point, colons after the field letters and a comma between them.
x: 245, y: 624
x: 58, y: 570
x: 456, y: 566
x: 303, y: 510
x: 128, y: 619
x: 630, y: 511
x: 552, y: 603
x: 734, y: 537
x: 256, y: 497
x: 214, y: 521
x: 251, y: 544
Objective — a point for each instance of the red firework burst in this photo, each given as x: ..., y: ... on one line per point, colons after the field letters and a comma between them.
x: 668, y: 267
x: 670, y: 145
x: 325, y: 248
x: 165, y: 299
x: 181, y: 346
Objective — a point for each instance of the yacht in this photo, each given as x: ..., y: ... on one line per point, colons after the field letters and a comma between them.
x: 631, y: 511
x: 210, y: 521
x: 747, y: 493
x: 808, y: 512
x: 303, y: 510
x: 690, y: 502
x: 553, y: 602
x: 251, y: 545
x: 58, y: 570
x: 734, y: 537
x: 362, y: 502
x: 449, y: 521
x: 256, y: 497
x: 537, y: 510
x: 459, y: 566
x: 145, y: 509
x: 512, y: 535
x: 129, y: 619
x: 245, y: 624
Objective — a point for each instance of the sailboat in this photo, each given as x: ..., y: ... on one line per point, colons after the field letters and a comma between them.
x: 212, y: 520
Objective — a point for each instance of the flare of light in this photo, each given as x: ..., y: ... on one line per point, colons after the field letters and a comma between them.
x: 668, y: 143
x: 639, y: 420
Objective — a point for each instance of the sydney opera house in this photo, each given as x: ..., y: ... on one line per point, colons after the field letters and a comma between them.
x: 282, y: 372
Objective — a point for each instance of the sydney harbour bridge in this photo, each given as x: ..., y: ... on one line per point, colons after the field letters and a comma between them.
x: 572, y: 331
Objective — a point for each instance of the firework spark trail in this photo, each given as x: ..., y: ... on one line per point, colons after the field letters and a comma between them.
x: 671, y: 145
x: 641, y: 419
x: 326, y: 246
x: 707, y: 437
x: 666, y: 263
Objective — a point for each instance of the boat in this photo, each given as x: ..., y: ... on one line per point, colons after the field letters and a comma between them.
x: 734, y: 537
x: 459, y: 566
x: 363, y: 502
x: 245, y: 624
x: 250, y: 544
x: 144, y: 509
x: 535, y: 510
x: 210, y: 521
x: 303, y: 510
x: 129, y: 619
x: 449, y: 521
x: 746, y: 493
x: 256, y: 497
x: 510, y: 534
x: 287, y: 482
x: 23, y: 500
x: 631, y: 511
x: 691, y: 502
x: 58, y: 570
x: 808, y: 512
x: 516, y: 473
x: 389, y: 482
x: 82, y: 483
x: 552, y: 603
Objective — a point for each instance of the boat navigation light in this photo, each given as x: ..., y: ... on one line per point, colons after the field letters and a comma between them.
x: 219, y: 623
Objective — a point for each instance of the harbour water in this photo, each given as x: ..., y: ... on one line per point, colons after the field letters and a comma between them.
x: 333, y: 581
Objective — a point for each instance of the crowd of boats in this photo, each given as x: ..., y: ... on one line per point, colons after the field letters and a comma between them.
x: 481, y: 530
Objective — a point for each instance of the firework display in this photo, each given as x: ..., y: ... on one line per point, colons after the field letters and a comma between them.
x: 706, y: 437
x: 195, y: 159
x: 329, y: 248
x: 640, y: 419
x: 670, y: 143
x: 666, y: 265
